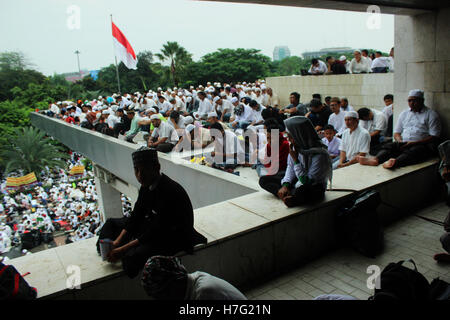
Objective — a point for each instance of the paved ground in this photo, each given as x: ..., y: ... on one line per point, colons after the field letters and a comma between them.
x: 344, y: 271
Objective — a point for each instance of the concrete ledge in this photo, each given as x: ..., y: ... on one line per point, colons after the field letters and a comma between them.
x: 250, y: 237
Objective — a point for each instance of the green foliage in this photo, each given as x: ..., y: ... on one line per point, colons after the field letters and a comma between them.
x: 228, y: 65
x: 178, y: 57
x: 29, y: 150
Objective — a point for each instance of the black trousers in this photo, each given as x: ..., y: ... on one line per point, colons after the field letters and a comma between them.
x: 406, y: 157
x: 445, y: 240
x: 302, y: 195
x: 135, y: 258
x: 165, y: 147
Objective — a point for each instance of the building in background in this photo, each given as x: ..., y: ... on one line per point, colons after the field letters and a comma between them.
x: 332, y: 51
x: 281, y: 52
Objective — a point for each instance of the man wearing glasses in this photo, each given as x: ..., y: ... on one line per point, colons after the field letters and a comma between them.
x: 416, y: 136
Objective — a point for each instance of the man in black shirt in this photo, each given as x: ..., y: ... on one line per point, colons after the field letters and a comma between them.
x: 161, y: 223
x: 319, y: 114
x: 335, y: 67
x: 124, y: 124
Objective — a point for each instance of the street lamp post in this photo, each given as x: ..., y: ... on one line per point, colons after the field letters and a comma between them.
x: 78, y: 59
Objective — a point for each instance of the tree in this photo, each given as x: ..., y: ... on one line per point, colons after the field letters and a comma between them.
x: 14, y: 61
x: 178, y: 56
x: 290, y: 65
x: 229, y: 65
x: 28, y: 150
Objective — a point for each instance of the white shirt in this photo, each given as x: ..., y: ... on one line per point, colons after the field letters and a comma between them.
x: 356, y: 142
x: 165, y: 130
x: 381, y: 62
x: 205, y: 107
x: 232, y: 145
x: 321, y: 68
x: 379, y: 122
x: 338, y: 121
x: 415, y: 126
x: 149, y: 103
x: 165, y: 106
x: 112, y: 120
x: 333, y: 145
x: 54, y: 108
x: 388, y: 111
x: 245, y: 115
x: 256, y: 115
x: 318, y: 170
x: 203, y: 286
x: 364, y: 65
x: 226, y: 105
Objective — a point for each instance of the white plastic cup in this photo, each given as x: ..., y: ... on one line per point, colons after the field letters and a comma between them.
x: 106, y: 246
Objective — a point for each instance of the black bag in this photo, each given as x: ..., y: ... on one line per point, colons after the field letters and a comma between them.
x: 439, y: 290
x: 398, y: 282
x: 358, y: 225
x: 13, y: 286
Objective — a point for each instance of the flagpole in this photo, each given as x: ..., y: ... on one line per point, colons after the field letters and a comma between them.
x: 115, y: 58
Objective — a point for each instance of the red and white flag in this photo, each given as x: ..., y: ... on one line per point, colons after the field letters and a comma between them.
x: 124, y: 51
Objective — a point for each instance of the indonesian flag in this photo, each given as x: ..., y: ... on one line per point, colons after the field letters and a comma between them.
x: 124, y: 51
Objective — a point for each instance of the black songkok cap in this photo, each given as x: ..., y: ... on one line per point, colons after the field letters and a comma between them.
x: 145, y: 155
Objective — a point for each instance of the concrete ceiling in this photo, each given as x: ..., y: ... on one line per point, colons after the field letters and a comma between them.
x: 402, y: 7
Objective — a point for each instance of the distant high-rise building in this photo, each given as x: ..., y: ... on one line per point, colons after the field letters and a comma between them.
x: 281, y: 52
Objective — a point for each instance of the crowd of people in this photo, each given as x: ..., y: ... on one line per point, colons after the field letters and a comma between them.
x: 59, y: 202
x: 247, y: 126
x: 362, y: 62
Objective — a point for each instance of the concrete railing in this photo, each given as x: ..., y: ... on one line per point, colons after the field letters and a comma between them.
x: 362, y: 90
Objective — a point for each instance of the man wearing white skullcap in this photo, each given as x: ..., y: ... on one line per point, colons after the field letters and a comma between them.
x: 164, y: 136
x: 355, y: 141
x: 416, y: 136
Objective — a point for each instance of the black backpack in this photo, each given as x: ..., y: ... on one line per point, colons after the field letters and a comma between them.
x: 358, y: 225
x: 398, y: 282
x: 13, y: 286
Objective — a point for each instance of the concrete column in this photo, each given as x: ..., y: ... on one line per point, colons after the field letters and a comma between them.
x: 422, y: 61
x: 109, y: 200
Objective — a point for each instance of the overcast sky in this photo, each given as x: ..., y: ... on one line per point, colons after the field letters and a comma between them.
x: 40, y: 29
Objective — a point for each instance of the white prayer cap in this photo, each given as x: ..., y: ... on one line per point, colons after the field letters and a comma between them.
x: 196, y: 115
x: 152, y: 110
x: 263, y: 81
x: 342, y: 58
x: 258, y: 90
x: 154, y: 117
x: 159, y: 88
x: 189, y: 99
x: 106, y: 112
x: 208, y: 83
x: 114, y: 108
x: 215, y: 99
x: 191, y: 87
x: 149, y: 94
x: 234, y: 100
x: 100, y: 97
x: 416, y: 93
x: 351, y: 114
x: 212, y: 114
x: 180, y: 94
x: 189, y: 128
x: 188, y: 120
x: 59, y: 102
x: 223, y: 94
x: 244, y: 82
x: 175, y: 88
x: 246, y: 89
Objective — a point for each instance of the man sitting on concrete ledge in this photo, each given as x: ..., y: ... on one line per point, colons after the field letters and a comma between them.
x: 308, y: 169
x: 355, y: 141
x: 416, y: 136
x: 165, y: 278
x: 162, y: 221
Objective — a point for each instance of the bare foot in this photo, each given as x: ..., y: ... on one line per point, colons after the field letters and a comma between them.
x: 389, y: 164
x: 367, y: 161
